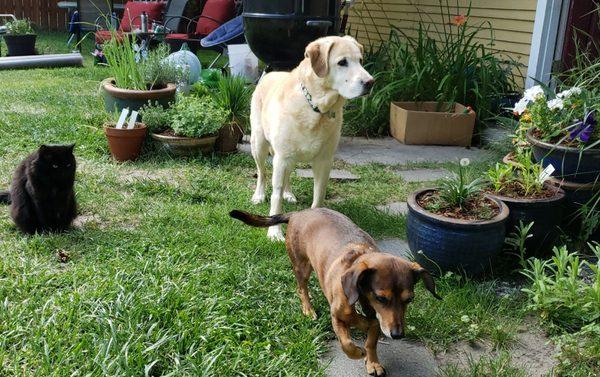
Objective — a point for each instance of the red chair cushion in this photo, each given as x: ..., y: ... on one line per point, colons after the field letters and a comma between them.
x: 220, y: 10
x: 133, y: 11
x: 177, y: 36
x: 102, y: 36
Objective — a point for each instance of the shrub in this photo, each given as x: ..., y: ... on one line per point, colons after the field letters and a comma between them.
x: 519, y: 180
x: 155, y: 117
x: 19, y: 27
x: 444, y: 64
x: 197, y: 117
x: 233, y: 94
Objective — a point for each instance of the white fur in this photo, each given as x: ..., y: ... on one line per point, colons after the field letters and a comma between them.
x: 284, y: 123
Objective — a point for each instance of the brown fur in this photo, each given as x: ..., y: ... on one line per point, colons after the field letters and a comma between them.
x: 350, y: 269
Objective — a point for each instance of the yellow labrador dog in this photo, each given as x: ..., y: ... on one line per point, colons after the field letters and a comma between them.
x: 297, y: 116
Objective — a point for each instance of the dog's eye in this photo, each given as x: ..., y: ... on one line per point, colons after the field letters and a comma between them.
x: 409, y: 300
x: 343, y: 63
x: 382, y: 299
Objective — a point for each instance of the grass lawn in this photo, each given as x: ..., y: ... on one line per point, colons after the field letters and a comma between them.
x: 159, y: 280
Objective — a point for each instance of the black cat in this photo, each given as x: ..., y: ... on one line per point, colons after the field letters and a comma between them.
x: 41, y: 195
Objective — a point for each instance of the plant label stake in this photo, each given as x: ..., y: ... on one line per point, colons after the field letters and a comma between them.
x: 132, y: 119
x: 122, y: 118
x: 546, y: 173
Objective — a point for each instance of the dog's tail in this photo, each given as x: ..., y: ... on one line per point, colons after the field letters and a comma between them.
x: 260, y: 221
x: 4, y: 197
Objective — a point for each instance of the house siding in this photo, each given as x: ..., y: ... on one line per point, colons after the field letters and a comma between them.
x: 511, y: 20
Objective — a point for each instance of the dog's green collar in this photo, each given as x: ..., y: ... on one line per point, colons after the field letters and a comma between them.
x: 330, y: 114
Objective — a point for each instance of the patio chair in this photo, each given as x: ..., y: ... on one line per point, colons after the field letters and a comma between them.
x: 132, y: 19
x: 231, y: 32
x: 214, y: 14
x: 173, y: 15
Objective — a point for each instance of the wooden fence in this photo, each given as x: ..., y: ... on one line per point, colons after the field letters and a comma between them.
x: 44, y: 14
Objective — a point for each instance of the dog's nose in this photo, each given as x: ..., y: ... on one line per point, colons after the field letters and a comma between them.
x: 368, y: 84
x: 397, y: 334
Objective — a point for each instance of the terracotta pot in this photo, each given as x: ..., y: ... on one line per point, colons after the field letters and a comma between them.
x: 228, y: 138
x: 117, y: 99
x: 186, y: 146
x: 124, y: 144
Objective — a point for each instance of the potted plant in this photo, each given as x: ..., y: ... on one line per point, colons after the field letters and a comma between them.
x: 193, y: 126
x: 136, y: 80
x: 125, y: 144
x: 232, y: 94
x: 456, y: 227
x: 20, y: 38
x: 562, y: 131
x: 521, y: 187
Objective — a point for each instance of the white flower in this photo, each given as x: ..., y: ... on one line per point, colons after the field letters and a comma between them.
x: 569, y: 92
x: 556, y: 103
x: 465, y: 318
x: 533, y: 93
x: 464, y: 162
x: 521, y: 106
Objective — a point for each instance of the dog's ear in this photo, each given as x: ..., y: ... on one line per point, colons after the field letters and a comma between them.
x: 318, y: 53
x: 422, y: 273
x: 352, y: 279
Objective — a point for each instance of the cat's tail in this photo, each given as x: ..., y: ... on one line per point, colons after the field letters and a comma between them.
x: 260, y: 221
x: 4, y: 197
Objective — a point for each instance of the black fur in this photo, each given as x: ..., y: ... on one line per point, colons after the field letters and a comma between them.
x: 41, y: 195
x: 260, y: 221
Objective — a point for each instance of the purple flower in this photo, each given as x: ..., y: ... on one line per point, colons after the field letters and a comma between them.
x: 582, y: 130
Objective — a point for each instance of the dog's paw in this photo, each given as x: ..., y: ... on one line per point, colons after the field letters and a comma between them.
x: 258, y: 198
x: 275, y: 234
x: 310, y: 313
x: 289, y: 197
x: 375, y: 369
x: 354, y: 352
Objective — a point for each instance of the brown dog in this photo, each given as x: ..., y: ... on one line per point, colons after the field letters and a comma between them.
x: 350, y: 269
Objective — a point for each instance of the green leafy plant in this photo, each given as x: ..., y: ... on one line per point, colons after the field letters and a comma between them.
x: 559, y: 292
x: 155, y: 117
x: 19, y: 27
x: 520, y: 179
x: 516, y: 240
x: 197, y: 117
x: 457, y: 190
x: 233, y: 94
x: 135, y: 72
x: 446, y: 63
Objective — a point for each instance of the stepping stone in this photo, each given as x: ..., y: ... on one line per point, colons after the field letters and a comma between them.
x: 423, y: 175
x: 399, y: 358
x: 395, y: 246
x: 389, y: 151
x: 395, y: 209
x: 335, y: 174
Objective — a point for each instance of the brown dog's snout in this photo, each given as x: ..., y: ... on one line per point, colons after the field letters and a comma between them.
x: 397, y: 332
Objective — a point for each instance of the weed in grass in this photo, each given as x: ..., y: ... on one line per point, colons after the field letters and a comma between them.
x: 485, y: 367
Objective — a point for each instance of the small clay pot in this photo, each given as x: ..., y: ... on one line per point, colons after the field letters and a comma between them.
x: 228, y: 138
x: 125, y: 144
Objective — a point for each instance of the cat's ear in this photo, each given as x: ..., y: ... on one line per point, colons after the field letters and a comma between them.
x: 70, y: 147
x: 43, y: 149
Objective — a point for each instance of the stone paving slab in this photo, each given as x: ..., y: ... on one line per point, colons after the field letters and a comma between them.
x: 395, y: 208
x: 395, y: 246
x: 423, y: 175
x: 400, y: 358
x: 389, y: 151
x: 337, y: 174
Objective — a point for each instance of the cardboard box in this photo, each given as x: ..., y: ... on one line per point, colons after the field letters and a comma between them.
x: 431, y: 123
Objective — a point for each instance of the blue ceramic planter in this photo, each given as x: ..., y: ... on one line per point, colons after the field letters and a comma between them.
x: 451, y: 244
x: 546, y: 214
x: 576, y: 195
x: 571, y: 164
